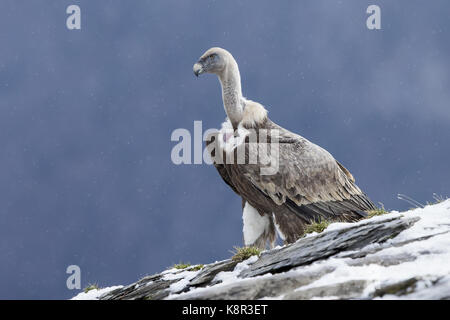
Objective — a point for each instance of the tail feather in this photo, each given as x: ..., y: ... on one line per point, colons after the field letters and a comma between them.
x: 346, y: 210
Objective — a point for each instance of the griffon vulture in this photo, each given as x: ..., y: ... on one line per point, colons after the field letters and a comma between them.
x: 306, y: 184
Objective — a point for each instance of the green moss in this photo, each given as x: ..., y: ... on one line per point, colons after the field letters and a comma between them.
x: 241, y: 254
x: 196, y: 268
x: 181, y: 265
x: 377, y: 212
x: 317, y: 226
x: 188, y: 266
x: 91, y: 286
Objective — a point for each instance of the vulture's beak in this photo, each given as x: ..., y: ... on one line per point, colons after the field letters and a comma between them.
x: 198, y: 68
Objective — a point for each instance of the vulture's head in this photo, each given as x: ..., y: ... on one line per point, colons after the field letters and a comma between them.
x: 214, y: 60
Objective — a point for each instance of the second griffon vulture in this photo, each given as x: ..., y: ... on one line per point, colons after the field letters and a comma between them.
x: 307, y: 185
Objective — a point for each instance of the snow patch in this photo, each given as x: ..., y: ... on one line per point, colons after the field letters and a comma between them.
x: 230, y: 276
x: 184, y: 277
x: 94, y: 294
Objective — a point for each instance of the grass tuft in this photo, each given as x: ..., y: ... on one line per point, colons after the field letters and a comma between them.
x: 197, y: 267
x: 241, y: 254
x: 317, y: 226
x: 91, y: 286
x: 377, y: 212
x: 188, y: 266
x: 181, y: 265
x: 437, y: 199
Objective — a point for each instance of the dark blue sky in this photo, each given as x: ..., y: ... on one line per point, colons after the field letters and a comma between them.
x: 86, y: 118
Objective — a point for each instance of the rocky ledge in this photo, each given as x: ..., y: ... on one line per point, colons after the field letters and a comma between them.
x: 397, y: 255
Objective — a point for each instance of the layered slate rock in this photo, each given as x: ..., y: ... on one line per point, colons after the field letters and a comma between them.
x: 392, y: 256
x: 327, y: 244
x: 158, y: 286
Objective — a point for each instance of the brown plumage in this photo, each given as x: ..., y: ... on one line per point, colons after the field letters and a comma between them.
x: 305, y: 184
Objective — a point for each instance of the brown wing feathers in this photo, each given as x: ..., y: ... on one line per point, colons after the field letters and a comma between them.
x: 309, y: 186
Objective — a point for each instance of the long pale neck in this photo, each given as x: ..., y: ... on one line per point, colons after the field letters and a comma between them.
x: 230, y: 80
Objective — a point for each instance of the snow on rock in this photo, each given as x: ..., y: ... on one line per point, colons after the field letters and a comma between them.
x: 94, y: 294
x: 393, y: 256
x: 182, y: 278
